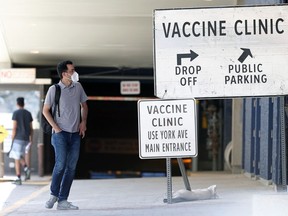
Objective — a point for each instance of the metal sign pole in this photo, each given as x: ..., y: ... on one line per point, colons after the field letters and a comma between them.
x: 183, y: 173
x: 169, y: 180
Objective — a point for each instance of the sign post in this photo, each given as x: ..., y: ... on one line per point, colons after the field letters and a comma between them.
x: 167, y: 129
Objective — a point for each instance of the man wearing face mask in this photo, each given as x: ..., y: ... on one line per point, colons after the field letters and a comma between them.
x: 67, y: 130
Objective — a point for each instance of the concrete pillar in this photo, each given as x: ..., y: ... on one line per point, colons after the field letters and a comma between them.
x: 40, y: 159
x: 237, y: 117
x: 5, y: 61
x: 5, y: 65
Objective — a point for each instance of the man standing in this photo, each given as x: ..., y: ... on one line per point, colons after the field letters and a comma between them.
x: 22, y: 134
x: 68, y: 126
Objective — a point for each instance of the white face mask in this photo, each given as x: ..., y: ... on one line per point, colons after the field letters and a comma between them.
x: 75, y: 77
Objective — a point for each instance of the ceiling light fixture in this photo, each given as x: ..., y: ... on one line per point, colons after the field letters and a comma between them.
x: 34, y: 52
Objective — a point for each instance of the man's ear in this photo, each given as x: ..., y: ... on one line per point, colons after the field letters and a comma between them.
x: 63, y: 74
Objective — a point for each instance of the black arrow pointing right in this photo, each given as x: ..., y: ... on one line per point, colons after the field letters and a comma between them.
x: 192, y: 55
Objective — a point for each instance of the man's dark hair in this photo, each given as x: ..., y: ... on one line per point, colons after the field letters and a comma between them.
x: 20, y: 101
x: 62, y: 67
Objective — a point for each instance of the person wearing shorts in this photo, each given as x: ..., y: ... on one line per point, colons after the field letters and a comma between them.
x: 22, y: 133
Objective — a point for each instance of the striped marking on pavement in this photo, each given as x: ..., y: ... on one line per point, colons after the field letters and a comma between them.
x: 35, y: 182
x: 23, y: 201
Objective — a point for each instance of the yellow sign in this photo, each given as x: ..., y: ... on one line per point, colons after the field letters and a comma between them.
x: 3, y: 133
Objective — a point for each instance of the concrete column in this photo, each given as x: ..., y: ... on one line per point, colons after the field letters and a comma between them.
x: 5, y: 65
x: 5, y: 61
x: 237, y: 132
x: 40, y: 147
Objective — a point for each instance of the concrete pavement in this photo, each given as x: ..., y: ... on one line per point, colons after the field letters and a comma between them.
x: 238, y: 195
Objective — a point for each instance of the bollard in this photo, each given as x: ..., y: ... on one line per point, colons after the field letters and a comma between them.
x: 40, y: 159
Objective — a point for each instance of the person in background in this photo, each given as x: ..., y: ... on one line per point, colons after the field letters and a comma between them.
x: 22, y: 136
x: 68, y: 126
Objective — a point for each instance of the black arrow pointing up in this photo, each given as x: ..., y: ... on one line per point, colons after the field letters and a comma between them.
x: 192, y: 55
x: 244, y: 55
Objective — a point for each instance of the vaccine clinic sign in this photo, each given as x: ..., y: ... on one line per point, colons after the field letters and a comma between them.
x: 221, y: 52
x: 167, y: 128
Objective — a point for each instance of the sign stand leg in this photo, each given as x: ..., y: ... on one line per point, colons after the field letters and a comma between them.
x: 169, y: 180
x: 183, y: 173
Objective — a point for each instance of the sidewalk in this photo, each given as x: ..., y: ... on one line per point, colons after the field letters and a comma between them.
x: 238, y: 196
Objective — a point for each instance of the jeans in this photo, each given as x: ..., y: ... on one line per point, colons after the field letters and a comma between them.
x: 67, y: 147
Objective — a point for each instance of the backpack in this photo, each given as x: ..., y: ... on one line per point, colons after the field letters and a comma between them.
x: 46, y: 127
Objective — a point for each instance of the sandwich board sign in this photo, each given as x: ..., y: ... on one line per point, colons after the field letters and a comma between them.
x: 167, y: 128
x: 221, y: 52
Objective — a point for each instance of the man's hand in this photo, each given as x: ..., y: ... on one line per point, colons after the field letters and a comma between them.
x: 82, y: 129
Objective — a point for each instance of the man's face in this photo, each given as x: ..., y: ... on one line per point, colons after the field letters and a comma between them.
x: 70, y: 71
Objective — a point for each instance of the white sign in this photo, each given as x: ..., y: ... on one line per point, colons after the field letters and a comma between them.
x: 167, y: 128
x: 130, y: 87
x: 18, y: 75
x: 221, y: 52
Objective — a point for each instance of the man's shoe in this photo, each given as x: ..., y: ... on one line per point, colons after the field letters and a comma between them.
x: 50, y: 203
x: 64, y: 205
x: 27, y: 173
x: 18, y: 181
